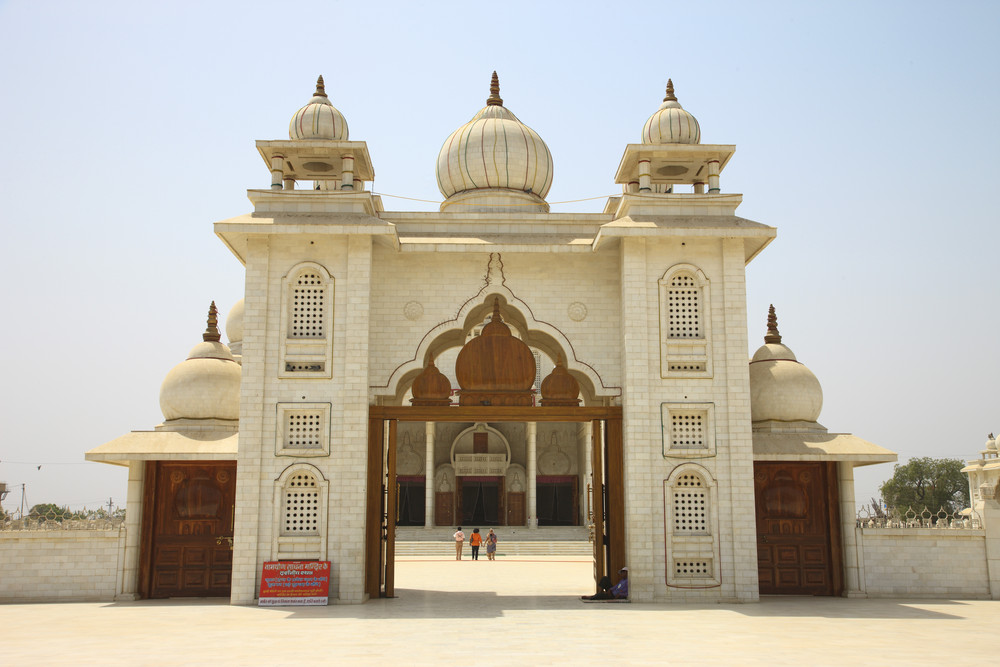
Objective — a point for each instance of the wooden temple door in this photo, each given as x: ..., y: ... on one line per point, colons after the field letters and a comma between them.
x: 380, y: 510
x: 798, y: 528
x: 187, y: 529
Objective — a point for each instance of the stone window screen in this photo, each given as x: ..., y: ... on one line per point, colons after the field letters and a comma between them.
x: 308, y: 316
x: 303, y: 429
x: 688, y: 430
x: 693, y: 569
x: 300, y: 506
x: 690, y: 505
x: 684, y: 307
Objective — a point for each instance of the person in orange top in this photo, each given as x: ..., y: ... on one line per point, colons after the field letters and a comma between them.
x: 475, y: 541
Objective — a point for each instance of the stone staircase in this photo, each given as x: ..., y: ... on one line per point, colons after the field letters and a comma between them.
x: 564, y: 541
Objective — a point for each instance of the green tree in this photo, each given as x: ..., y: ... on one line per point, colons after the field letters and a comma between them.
x: 927, y: 482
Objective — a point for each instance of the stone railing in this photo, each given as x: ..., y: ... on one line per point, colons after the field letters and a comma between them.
x: 924, y: 518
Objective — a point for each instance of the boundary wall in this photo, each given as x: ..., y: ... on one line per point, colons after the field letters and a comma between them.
x: 61, y: 565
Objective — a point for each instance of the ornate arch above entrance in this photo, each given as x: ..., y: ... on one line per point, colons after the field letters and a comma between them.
x: 537, y: 334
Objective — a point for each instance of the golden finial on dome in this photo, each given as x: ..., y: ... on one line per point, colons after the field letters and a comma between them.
x: 670, y: 92
x: 772, y: 327
x: 212, y: 334
x: 494, y: 99
x: 320, y: 88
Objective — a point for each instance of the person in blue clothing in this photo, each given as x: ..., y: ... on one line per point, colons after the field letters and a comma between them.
x: 617, y: 592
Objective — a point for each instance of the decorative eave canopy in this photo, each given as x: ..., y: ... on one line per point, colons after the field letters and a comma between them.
x: 317, y: 159
x: 672, y: 164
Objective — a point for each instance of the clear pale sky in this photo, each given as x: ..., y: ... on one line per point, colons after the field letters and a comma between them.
x: 866, y: 132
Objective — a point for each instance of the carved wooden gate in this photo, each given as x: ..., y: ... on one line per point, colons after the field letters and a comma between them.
x: 187, y: 529
x: 798, y: 528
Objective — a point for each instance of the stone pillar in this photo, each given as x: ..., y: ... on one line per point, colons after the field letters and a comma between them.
x: 276, y: 171
x: 644, y: 176
x: 133, y: 524
x: 289, y: 183
x: 699, y: 188
x: 532, y: 470
x: 347, y: 173
x: 848, y: 530
x: 430, y: 432
x: 586, y: 443
x: 713, y: 177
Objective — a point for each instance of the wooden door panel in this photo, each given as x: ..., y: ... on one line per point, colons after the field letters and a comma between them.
x: 191, y: 506
x: 443, y: 504
x: 515, y: 508
x: 798, y: 541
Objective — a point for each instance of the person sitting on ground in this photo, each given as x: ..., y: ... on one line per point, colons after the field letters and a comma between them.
x: 608, y: 592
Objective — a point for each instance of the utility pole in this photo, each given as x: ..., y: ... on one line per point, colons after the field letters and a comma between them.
x: 111, y: 504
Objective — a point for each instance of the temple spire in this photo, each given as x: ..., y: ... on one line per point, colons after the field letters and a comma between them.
x: 670, y: 92
x: 772, y: 327
x: 320, y: 87
x: 494, y: 98
x: 212, y: 330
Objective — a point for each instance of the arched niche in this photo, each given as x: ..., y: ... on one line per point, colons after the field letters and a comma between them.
x: 544, y: 337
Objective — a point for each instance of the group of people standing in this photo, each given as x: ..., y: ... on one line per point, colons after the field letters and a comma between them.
x: 475, y: 541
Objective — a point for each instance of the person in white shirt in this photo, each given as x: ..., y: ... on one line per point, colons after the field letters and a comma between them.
x: 459, y: 542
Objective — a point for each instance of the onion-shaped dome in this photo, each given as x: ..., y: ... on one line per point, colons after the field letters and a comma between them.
x: 318, y: 119
x: 234, y: 325
x: 207, y: 384
x: 781, y: 388
x: 496, y: 151
x: 431, y: 387
x: 671, y: 124
x: 495, y: 368
x: 559, y: 387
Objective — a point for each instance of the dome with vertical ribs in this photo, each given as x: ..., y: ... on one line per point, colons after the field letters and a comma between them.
x: 207, y: 384
x: 318, y: 119
x: 494, y: 151
x: 781, y: 387
x: 671, y: 124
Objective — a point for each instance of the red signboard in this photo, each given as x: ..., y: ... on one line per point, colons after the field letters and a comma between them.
x: 297, y: 582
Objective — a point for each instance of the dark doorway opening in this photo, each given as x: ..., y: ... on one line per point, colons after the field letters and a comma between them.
x: 556, y: 501
x: 481, y: 501
x: 412, y: 505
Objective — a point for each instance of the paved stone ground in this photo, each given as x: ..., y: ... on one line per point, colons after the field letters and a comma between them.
x: 502, y: 613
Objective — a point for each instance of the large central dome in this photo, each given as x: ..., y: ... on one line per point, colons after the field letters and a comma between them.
x: 494, y: 162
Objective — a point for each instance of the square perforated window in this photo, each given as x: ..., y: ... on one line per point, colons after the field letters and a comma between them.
x: 688, y: 430
x: 304, y: 430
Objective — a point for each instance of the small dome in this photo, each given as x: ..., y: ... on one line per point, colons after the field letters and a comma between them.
x: 494, y: 151
x: 207, y: 384
x: 559, y: 387
x: 234, y: 323
x: 781, y: 388
x: 991, y: 443
x: 671, y: 124
x: 318, y: 119
x: 431, y: 387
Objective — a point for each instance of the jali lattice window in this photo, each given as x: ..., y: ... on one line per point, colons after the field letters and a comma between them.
x: 300, y: 509
x: 684, y: 307
x: 304, y: 430
x: 308, y: 303
x: 692, y: 569
x: 690, y: 505
x: 687, y: 430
